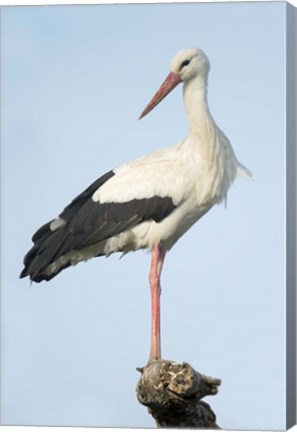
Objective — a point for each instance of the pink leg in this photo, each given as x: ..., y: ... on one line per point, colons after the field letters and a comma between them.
x: 154, y: 278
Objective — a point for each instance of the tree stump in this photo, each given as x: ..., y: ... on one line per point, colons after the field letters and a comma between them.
x: 172, y: 393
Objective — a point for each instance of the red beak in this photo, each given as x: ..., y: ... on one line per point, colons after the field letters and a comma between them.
x: 170, y: 82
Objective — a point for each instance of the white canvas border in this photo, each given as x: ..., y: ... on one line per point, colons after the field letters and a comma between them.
x: 10, y: 3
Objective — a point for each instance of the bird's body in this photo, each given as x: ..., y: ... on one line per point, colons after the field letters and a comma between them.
x: 149, y: 202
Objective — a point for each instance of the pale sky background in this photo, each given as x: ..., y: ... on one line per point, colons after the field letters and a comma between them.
x: 75, y: 80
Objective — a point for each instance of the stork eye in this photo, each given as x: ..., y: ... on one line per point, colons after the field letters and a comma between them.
x: 184, y: 63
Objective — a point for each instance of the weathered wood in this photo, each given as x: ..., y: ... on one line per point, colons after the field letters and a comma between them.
x: 172, y: 393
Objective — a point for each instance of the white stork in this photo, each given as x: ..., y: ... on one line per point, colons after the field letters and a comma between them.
x: 148, y: 203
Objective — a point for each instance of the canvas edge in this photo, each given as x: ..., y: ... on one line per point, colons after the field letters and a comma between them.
x: 291, y: 115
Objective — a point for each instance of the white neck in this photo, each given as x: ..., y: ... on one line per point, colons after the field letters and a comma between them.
x: 195, y: 99
x: 218, y: 157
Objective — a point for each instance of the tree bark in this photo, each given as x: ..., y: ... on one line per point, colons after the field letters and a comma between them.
x: 172, y: 393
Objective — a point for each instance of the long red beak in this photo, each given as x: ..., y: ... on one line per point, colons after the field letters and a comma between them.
x: 170, y: 82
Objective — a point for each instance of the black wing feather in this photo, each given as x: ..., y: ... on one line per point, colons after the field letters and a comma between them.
x: 88, y: 223
x: 71, y: 210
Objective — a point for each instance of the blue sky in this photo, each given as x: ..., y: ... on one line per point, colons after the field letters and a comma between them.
x: 75, y: 80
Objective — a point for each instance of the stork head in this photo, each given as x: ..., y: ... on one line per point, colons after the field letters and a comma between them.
x: 186, y: 65
x: 189, y: 63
